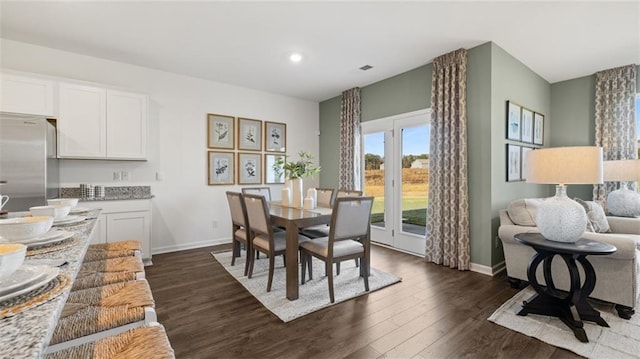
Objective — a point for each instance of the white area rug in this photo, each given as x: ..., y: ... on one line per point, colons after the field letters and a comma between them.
x: 621, y: 340
x: 313, y: 295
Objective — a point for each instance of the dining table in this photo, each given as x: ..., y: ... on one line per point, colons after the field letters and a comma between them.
x: 27, y: 334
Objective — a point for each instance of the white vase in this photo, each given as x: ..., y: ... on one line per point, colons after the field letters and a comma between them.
x: 297, y: 196
x: 286, y: 193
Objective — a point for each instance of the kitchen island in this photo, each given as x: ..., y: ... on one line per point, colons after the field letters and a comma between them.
x: 27, y: 334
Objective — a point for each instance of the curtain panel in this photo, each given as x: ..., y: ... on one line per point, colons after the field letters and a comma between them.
x: 615, y: 120
x: 349, y: 170
x: 448, y: 210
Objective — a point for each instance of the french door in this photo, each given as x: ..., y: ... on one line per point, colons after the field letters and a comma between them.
x: 396, y: 170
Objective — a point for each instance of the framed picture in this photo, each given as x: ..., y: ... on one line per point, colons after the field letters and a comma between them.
x: 538, y: 129
x: 220, y: 131
x: 513, y: 163
x: 221, y: 168
x: 273, y: 174
x: 249, y: 134
x: 523, y: 162
x: 527, y: 125
x: 513, y: 121
x: 275, y: 137
x: 249, y: 168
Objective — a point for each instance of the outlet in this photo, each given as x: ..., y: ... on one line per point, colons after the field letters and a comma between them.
x: 116, y: 176
x: 214, y: 224
x: 124, y: 175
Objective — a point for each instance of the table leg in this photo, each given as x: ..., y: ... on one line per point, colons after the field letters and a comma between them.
x: 292, y: 261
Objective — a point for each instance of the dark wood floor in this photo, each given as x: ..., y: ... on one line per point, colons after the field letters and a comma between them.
x: 435, y: 312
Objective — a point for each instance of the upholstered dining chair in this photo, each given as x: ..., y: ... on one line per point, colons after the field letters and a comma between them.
x: 265, y: 191
x: 348, y: 239
x: 265, y: 239
x: 325, y: 197
x: 239, y: 224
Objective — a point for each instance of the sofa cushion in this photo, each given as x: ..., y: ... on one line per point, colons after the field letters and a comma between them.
x: 597, y: 219
x: 523, y: 211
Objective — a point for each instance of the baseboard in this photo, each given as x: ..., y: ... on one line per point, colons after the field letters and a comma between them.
x: 486, y: 270
x: 192, y: 245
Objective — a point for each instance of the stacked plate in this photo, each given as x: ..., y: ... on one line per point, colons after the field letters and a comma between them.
x: 55, y: 235
x: 68, y: 220
x: 76, y: 210
x: 26, y: 279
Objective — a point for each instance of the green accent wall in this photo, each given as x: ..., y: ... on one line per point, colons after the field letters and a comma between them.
x: 493, y: 77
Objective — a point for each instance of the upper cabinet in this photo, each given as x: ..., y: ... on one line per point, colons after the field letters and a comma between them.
x: 101, y: 123
x: 27, y: 95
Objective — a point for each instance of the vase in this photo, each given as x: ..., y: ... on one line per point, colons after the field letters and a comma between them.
x: 297, y: 197
x: 286, y: 193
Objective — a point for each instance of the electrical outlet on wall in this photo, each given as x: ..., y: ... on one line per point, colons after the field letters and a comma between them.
x: 116, y: 176
x: 124, y: 175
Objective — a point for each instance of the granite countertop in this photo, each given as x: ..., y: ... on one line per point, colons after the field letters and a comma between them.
x: 27, y: 334
x: 120, y: 193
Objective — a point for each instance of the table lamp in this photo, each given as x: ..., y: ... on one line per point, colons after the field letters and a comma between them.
x: 560, y: 218
x: 623, y: 202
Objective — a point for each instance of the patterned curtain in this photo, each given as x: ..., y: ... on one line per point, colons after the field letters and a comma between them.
x: 350, y: 140
x: 616, y: 120
x: 448, y: 210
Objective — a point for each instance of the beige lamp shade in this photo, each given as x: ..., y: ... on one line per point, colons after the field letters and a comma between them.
x: 565, y: 165
x: 621, y: 170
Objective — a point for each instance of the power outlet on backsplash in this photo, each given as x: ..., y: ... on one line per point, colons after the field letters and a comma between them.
x: 117, y: 176
x: 124, y: 175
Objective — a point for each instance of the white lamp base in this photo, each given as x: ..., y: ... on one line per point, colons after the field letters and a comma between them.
x: 624, y: 202
x: 560, y: 218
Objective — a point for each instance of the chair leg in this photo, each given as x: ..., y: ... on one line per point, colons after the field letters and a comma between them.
x: 303, y: 260
x: 234, y: 252
x: 309, y: 263
x: 284, y: 260
x: 365, y: 271
x: 338, y: 268
x: 271, y: 265
x: 357, y: 262
x: 250, y: 264
x: 329, y: 268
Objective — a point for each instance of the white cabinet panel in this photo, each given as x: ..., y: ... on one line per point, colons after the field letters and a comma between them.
x: 27, y: 95
x: 99, y: 234
x: 82, y: 121
x: 126, y: 125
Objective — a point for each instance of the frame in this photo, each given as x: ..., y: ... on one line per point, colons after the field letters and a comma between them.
x: 249, y: 134
x: 513, y: 121
x: 275, y: 137
x: 523, y: 162
x: 513, y: 163
x: 221, y: 168
x: 527, y: 125
x: 249, y: 168
x: 272, y: 176
x: 538, y: 129
x: 220, y: 131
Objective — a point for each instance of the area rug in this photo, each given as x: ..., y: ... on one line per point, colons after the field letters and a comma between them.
x: 313, y: 295
x: 621, y: 340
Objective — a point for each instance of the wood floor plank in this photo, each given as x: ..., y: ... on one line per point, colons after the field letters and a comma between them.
x: 435, y: 312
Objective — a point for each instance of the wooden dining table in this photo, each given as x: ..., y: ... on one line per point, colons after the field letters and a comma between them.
x: 293, y: 219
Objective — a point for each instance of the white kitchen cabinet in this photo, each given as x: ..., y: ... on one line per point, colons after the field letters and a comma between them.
x: 123, y: 220
x: 27, y: 95
x: 101, y: 123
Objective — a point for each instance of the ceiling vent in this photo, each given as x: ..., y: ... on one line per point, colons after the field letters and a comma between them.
x: 366, y: 67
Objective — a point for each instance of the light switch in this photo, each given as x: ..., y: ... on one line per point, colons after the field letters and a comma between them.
x: 116, y: 176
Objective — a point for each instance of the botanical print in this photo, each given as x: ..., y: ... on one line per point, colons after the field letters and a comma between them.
x: 513, y: 121
x: 513, y: 163
x: 538, y: 129
x: 249, y: 135
x: 275, y: 137
x: 523, y: 172
x: 221, y: 169
x: 249, y: 168
x: 220, y: 131
x: 527, y: 125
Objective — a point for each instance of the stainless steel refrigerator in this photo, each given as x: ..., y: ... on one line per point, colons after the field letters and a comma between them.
x: 28, y: 161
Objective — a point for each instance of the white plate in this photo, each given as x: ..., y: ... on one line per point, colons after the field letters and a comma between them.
x: 69, y: 220
x: 63, y: 235
x: 76, y: 210
x: 53, y: 233
x: 49, y: 274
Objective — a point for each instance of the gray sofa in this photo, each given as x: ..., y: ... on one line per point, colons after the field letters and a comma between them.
x: 617, y: 275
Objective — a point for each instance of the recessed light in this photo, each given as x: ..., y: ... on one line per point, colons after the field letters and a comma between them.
x: 295, y: 57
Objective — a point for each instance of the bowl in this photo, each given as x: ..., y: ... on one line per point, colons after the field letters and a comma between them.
x: 71, y: 202
x: 11, y: 258
x: 55, y: 211
x: 14, y: 229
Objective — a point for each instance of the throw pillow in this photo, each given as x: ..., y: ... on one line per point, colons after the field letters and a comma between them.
x: 523, y: 211
x: 597, y: 219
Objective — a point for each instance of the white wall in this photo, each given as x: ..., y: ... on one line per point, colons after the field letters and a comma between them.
x: 184, y: 206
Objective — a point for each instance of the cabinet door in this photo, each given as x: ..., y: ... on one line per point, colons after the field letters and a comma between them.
x: 99, y: 234
x: 126, y: 125
x: 82, y: 121
x: 22, y: 94
x: 130, y: 226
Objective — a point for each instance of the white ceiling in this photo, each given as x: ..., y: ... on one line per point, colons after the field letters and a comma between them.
x: 248, y: 43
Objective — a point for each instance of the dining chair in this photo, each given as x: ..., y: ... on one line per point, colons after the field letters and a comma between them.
x: 348, y: 239
x: 325, y: 197
x: 239, y: 224
x: 264, y: 191
x: 265, y: 239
